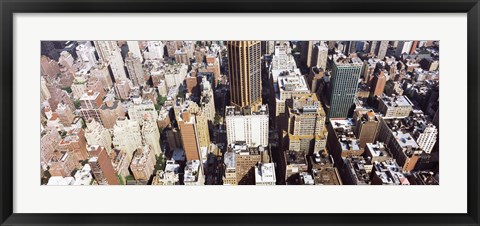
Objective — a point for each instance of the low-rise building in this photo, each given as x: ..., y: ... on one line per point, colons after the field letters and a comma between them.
x: 342, y: 141
x: 353, y: 171
x: 321, y: 167
x: 143, y: 164
x: 388, y: 173
x: 169, y: 176
x: 230, y: 176
x: 193, y: 173
x: 84, y: 176
x: 395, y: 106
x: 265, y: 174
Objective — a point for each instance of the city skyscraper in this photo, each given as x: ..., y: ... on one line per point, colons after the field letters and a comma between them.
x: 319, y: 55
x: 186, y: 123
x: 96, y: 134
x: 381, y: 50
x: 245, y: 77
x: 101, y: 165
x: 249, y: 127
x: 151, y: 134
x: 109, y: 52
x: 135, y: 70
x: 378, y: 83
x: 345, y: 75
x: 134, y: 47
x: 127, y: 136
x: 143, y: 163
x: 306, y: 48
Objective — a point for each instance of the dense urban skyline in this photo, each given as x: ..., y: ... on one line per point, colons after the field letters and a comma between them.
x: 240, y: 112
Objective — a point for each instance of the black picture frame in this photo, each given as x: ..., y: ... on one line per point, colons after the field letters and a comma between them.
x: 9, y: 7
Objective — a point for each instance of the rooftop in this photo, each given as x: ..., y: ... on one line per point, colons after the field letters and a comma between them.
x: 414, y: 124
x: 294, y: 157
x: 59, y: 180
x: 342, y: 61
x: 265, y: 173
x: 389, y: 172
x: 229, y: 159
x: 141, y: 155
x: 191, y: 171
x: 377, y: 150
x: 357, y: 165
x: 171, y: 166
x: 307, y: 179
x: 230, y: 111
x: 241, y: 148
x: 83, y: 176
x: 90, y: 95
x: 345, y: 134
x: 396, y: 101
x: 291, y: 80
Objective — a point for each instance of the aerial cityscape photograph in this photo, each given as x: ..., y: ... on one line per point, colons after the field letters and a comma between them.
x: 249, y: 112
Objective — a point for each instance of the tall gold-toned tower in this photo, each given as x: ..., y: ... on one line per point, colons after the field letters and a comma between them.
x: 245, y: 75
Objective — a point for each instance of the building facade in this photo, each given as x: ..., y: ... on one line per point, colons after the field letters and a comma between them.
x: 245, y: 78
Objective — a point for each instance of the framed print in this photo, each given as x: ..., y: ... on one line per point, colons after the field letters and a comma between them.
x: 241, y: 113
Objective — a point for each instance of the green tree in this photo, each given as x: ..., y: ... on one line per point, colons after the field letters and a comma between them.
x: 159, y: 165
x: 73, y: 172
x: 129, y: 177
x: 161, y: 100
x: 62, y: 133
x: 68, y: 89
x: 217, y: 119
x: 46, y: 176
x: 120, y: 180
x: 77, y: 104
x: 84, y: 162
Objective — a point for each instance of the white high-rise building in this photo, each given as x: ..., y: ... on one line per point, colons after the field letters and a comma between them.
x: 282, y: 60
x: 135, y: 70
x: 249, y: 127
x: 138, y: 111
x: 162, y: 88
x: 134, y: 47
x: 265, y: 174
x: 66, y: 59
x: 109, y: 52
x: 79, y: 86
x: 381, y: 50
x: 96, y: 134
x: 155, y: 50
x: 105, y: 49
x: 427, y: 138
x: 404, y: 47
x: 289, y: 83
x: 117, y: 65
x: 103, y: 75
x: 207, y: 100
x: 86, y: 53
x: 175, y: 75
x: 44, y: 93
x: 151, y: 135
x: 321, y: 54
x: 127, y: 136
